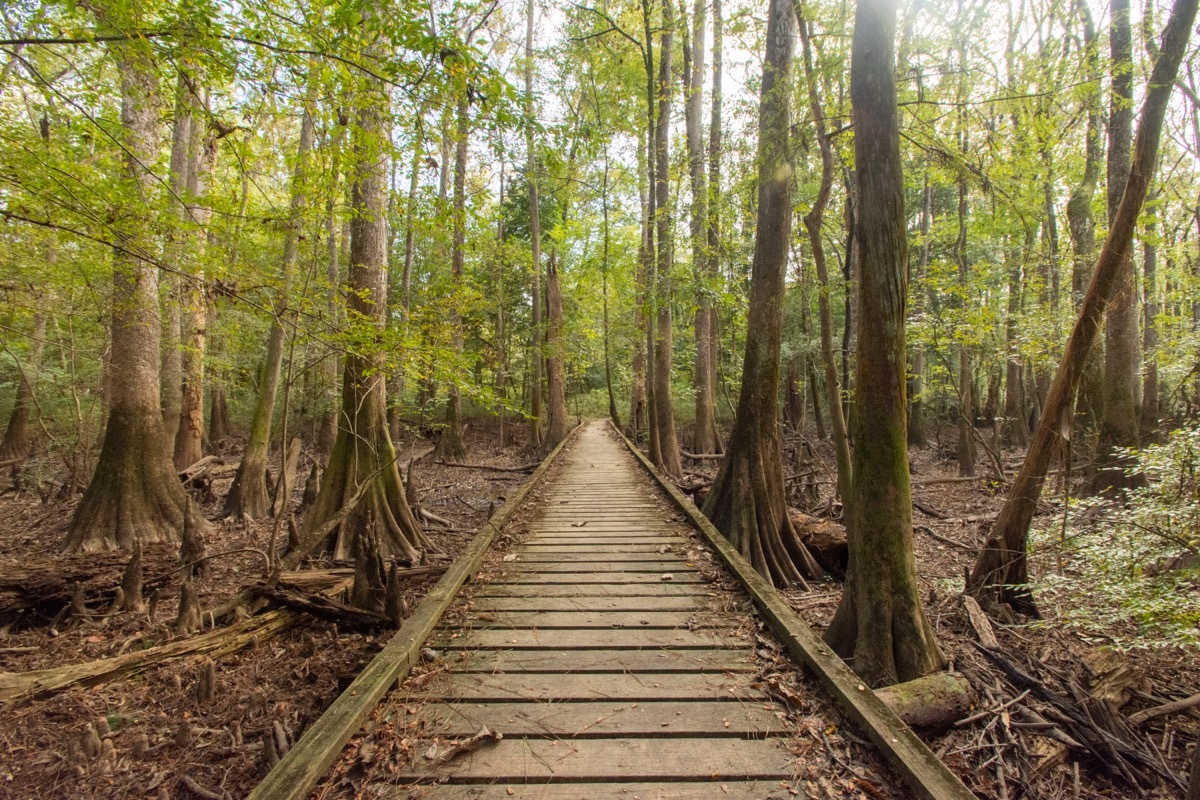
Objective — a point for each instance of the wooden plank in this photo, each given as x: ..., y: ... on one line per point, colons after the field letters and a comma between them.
x: 594, y: 720
x: 603, y: 619
x: 710, y: 790
x: 624, y: 759
x: 597, y: 661
x: 618, y: 555
x: 643, y: 603
x: 560, y: 687
x: 303, y: 765
x: 620, y: 639
x: 577, y: 578
x: 660, y: 565
x: 660, y: 589
x: 541, y: 548
x: 925, y: 774
x: 606, y: 540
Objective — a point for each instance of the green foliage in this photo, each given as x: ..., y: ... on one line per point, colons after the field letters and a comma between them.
x: 1128, y: 569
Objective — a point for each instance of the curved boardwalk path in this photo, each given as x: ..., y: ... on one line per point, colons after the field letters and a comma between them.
x: 610, y: 664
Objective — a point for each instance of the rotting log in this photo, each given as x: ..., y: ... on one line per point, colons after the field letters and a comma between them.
x: 300, y: 769
x: 934, y: 702
x: 927, y: 777
x: 18, y: 688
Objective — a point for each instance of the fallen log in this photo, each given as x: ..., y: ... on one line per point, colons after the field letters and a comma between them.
x: 980, y: 623
x: 702, y: 456
x: 490, y: 467
x: 934, y: 702
x: 324, y: 608
x: 18, y: 688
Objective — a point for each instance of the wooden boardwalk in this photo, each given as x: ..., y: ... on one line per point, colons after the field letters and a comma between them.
x: 607, y: 660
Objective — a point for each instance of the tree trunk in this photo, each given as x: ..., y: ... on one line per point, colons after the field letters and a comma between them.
x: 327, y: 425
x: 189, y: 436
x: 812, y: 223
x: 450, y: 446
x: 713, y: 223
x: 15, y: 445
x: 535, y: 238
x: 706, y: 438
x: 916, y: 383
x: 134, y: 493
x: 219, y: 428
x: 880, y: 625
x: 748, y: 499
x: 966, y: 384
x: 1000, y: 573
x: 669, y: 457
x: 170, y: 375
x: 363, y: 452
x: 556, y: 406
x: 1122, y: 352
x: 638, y: 399
x: 247, y: 498
x: 1016, y: 428
x: 1082, y: 225
x: 1149, y: 423
x: 608, y: 383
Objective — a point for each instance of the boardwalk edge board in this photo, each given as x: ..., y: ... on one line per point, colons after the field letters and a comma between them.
x: 926, y: 775
x: 310, y: 759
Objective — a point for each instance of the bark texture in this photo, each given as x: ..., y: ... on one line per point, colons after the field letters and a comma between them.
x: 15, y: 445
x: 134, y: 494
x: 748, y: 499
x: 880, y: 625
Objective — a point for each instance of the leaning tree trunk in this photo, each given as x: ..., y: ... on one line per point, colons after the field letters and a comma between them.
x: 15, y: 445
x: 247, y: 497
x: 880, y: 625
x: 1000, y: 574
x: 134, y: 494
x: 450, y: 446
x: 812, y: 223
x: 669, y: 456
x: 189, y: 436
x: 1122, y: 342
x: 363, y: 452
x: 748, y: 500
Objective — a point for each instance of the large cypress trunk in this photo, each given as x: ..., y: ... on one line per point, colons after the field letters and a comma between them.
x: 748, y: 500
x: 247, y: 497
x: 363, y: 451
x: 880, y: 624
x: 1000, y: 573
x: 134, y: 494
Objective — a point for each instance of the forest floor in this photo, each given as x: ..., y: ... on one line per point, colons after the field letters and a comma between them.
x: 274, y: 688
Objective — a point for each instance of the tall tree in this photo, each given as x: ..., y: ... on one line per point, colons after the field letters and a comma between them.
x: 706, y: 438
x: 667, y: 457
x: 1000, y: 573
x: 1122, y: 343
x: 134, y: 494
x: 535, y: 238
x: 812, y: 223
x: 247, y: 497
x: 880, y: 624
x: 363, y: 452
x: 748, y: 500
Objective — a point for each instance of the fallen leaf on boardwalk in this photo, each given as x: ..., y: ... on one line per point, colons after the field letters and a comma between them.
x: 455, y: 749
x: 667, y: 577
x: 510, y: 557
x: 579, y: 524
